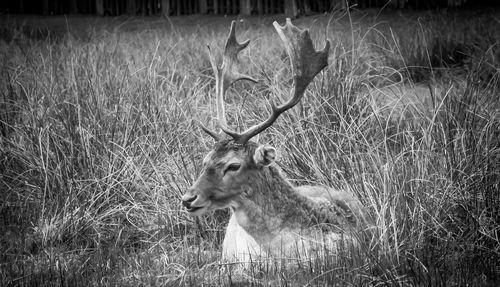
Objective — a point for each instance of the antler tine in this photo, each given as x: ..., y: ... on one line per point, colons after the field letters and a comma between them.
x: 225, y: 76
x: 216, y: 136
x: 306, y: 63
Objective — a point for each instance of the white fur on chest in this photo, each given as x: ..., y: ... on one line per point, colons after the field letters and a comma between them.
x: 239, y: 246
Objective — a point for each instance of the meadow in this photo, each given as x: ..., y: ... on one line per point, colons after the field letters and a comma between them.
x: 100, y: 138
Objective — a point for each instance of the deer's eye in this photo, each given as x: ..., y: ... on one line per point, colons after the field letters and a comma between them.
x: 232, y: 167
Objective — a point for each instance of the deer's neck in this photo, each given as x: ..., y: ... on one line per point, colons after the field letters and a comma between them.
x: 273, y: 206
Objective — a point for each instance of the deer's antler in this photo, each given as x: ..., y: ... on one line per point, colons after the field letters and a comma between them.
x: 306, y: 64
x: 225, y: 76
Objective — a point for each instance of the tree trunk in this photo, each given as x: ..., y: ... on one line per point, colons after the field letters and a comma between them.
x: 307, y: 8
x: 144, y: 7
x: 99, y: 7
x: 246, y: 7
x: 338, y: 4
x: 189, y: 8
x: 165, y: 8
x: 131, y: 7
x: 203, y: 6
x: 21, y: 6
x: 45, y: 6
x: 73, y: 7
x: 291, y: 9
x: 260, y: 10
x: 216, y: 7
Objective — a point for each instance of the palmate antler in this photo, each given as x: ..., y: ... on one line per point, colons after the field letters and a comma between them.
x: 226, y: 75
x: 306, y: 63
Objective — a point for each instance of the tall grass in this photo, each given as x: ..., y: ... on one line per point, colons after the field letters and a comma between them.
x: 99, y: 140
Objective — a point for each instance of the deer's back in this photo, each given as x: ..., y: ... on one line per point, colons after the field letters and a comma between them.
x: 339, y: 199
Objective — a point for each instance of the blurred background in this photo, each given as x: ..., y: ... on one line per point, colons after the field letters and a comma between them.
x: 220, y: 7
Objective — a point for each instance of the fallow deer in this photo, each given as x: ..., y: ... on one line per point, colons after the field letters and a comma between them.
x: 269, y: 215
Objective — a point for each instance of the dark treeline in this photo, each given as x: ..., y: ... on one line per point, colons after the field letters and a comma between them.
x: 217, y: 7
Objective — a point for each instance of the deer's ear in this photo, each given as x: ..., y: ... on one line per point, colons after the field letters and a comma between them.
x: 264, y: 155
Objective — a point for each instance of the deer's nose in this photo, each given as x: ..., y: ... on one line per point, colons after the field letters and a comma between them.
x: 187, y: 201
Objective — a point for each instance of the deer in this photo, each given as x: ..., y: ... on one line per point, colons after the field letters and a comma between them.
x: 269, y: 216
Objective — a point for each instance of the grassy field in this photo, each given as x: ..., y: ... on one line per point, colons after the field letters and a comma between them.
x: 99, y: 139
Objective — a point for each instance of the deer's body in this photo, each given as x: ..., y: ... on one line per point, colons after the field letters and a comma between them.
x: 269, y: 215
x: 311, y: 218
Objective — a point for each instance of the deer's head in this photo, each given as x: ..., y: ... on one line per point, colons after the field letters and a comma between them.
x: 232, y: 167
